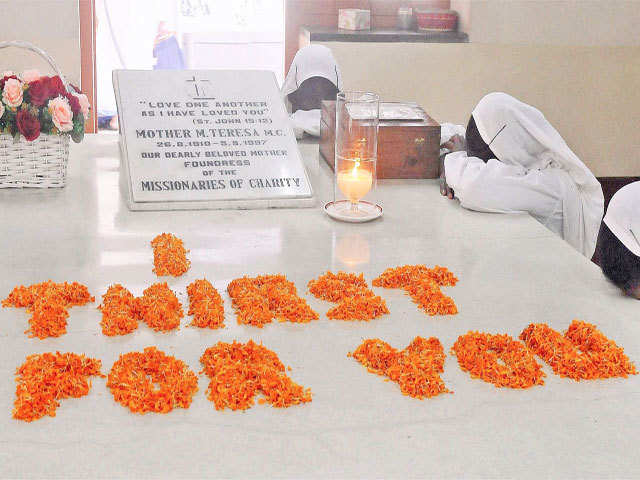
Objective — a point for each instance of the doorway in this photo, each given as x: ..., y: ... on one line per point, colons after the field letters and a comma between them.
x: 184, y: 34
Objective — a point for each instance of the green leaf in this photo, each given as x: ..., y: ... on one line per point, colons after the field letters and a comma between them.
x: 45, y: 115
x: 46, y: 123
x: 77, y: 134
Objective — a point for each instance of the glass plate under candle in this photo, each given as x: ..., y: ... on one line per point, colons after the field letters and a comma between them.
x: 342, y: 210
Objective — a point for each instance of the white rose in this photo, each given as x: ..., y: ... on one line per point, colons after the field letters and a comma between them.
x: 84, y: 104
x: 61, y: 114
x: 12, y: 93
x: 29, y: 76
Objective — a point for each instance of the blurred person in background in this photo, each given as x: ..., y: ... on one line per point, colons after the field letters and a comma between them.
x: 166, y: 50
x: 314, y: 76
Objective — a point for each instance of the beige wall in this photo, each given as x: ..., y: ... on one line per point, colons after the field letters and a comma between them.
x: 53, y: 25
x: 551, y: 22
x: 591, y: 94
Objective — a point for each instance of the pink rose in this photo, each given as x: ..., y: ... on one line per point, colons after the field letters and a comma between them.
x: 12, y: 93
x: 84, y: 104
x: 29, y: 76
x: 61, y: 114
x: 4, y: 79
x: 1, y: 109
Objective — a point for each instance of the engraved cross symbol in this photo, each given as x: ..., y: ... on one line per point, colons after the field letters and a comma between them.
x: 199, y: 87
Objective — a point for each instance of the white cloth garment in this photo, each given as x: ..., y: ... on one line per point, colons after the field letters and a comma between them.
x: 447, y: 131
x: 310, y: 61
x: 306, y: 121
x: 623, y: 216
x: 536, y: 173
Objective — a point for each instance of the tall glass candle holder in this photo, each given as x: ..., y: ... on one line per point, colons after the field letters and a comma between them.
x: 356, y: 153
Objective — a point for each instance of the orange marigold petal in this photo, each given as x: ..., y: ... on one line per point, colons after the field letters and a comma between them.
x: 259, y: 300
x: 336, y: 287
x: 45, y: 379
x: 205, y: 304
x: 498, y: 359
x: 355, y: 300
x: 118, y: 311
x: 169, y: 255
x: 238, y: 372
x: 416, y: 369
x: 582, y: 353
x: 159, y: 308
x: 423, y: 286
x: 48, y: 302
x: 359, y: 308
x: 152, y: 381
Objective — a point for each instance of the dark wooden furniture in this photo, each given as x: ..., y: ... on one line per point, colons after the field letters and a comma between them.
x: 325, y: 12
x: 310, y: 34
x: 406, y: 149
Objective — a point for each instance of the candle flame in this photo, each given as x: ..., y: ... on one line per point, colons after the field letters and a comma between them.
x: 354, y: 172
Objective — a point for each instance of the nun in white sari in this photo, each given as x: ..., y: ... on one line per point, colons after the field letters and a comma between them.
x: 619, y: 240
x: 313, y: 76
x: 515, y: 161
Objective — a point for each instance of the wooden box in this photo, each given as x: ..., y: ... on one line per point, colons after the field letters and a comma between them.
x: 406, y: 148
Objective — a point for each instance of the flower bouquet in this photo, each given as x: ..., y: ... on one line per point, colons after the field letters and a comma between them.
x: 38, y: 116
x: 33, y: 104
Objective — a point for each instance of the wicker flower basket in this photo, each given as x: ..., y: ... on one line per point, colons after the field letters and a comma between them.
x: 41, y: 163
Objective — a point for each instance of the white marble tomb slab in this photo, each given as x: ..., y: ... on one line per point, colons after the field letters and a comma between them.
x: 207, y: 139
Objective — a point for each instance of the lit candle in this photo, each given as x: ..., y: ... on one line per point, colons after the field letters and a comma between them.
x: 355, y: 183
